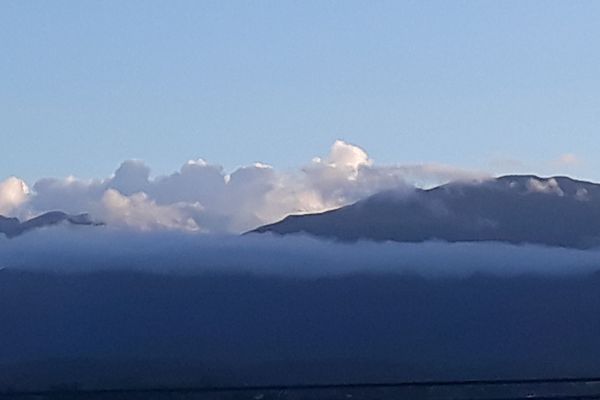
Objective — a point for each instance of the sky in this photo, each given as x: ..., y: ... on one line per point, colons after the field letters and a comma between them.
x: 494, y: 86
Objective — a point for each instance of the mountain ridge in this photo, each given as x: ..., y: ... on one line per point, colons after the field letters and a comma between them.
x: 12, y: 227
x: 555, y: 211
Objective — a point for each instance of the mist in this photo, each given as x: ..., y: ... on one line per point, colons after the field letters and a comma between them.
x: 80, y: 250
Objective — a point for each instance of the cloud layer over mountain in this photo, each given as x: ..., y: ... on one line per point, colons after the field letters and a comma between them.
x: 204, y: 197
x: 77, y: 249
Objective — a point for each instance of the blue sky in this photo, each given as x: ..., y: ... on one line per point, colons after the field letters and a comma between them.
x: 496, y: 86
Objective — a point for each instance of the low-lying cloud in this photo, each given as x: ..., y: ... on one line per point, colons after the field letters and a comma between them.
x: 204, y: 197
x: 83, y: 250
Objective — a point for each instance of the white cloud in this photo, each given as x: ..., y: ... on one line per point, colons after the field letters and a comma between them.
x: 202, y: 196
x: 13, y: 194
x: 345, y: 155
x: 132, y: 176
x: 545, y: 186
x: 140, y: 212
x: 68, y: 194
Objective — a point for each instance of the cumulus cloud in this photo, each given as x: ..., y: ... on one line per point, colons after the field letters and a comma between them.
x: 204, y: 197
x: 346, y: 156
x: 131, y: 177
x: 140, y: 211
x: 13, y: 194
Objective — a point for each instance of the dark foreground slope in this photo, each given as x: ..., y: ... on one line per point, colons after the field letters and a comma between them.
x: 131, y: 329
x: 515, y: 209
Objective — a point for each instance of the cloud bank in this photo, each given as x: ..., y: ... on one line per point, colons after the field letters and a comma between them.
x: 203, y: 197
x: 77, y: 250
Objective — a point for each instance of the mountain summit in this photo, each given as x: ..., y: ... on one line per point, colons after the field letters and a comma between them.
x: 12, y: 227
x: 556, y: 211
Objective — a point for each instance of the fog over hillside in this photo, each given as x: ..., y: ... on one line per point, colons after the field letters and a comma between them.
x: 107, y: 308
x: 81, y: 249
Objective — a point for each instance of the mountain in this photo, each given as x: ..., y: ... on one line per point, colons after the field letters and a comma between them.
x: 556, y: 211
x: 12, y: 227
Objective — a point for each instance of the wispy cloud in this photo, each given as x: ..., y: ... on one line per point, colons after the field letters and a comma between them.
x: 567, y: 160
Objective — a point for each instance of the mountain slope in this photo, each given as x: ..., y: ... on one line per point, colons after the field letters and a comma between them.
x: 12, y: 227
x: 555, y: 211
